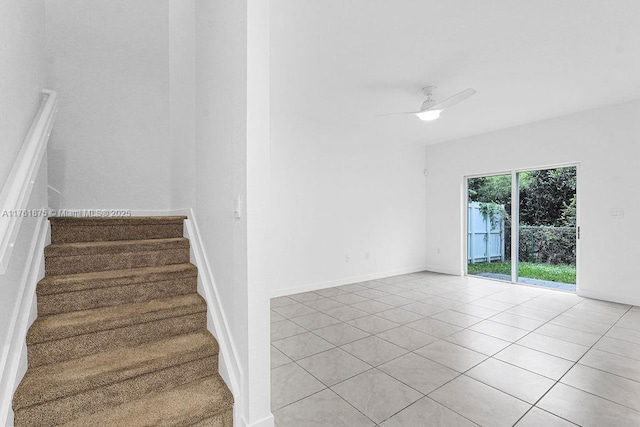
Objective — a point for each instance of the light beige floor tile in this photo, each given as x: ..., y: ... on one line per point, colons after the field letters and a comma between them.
x: 394, y: 300
x: 619, y: 347
x: 322, y: 409
x: 541, y: 363
x: 630, y: 322
x: 323, y: 304
x: 278, y: 358
x: 330, y: 292
x: 285, y: 328
x: 457, y: 318
x: 538, y: 418
x: 612, y: 363
x: 580, y: 324
x: 594, y: 316
x: 392, y: 289
x: 414, y: 295
x: 434, y: 327
x: 533, y: 313
x: 423, y: 309
x: 290, y: 383
x: 302, y: 345
x: 305, y: 296
x: 460, y: 296
x: 373, y: 324
x: 518, y: 382
x: 345, y: 313
x: 548, y: 304
x: 349, y: 299
x: 585, y: 409
x: 372, y: 307
x: 315, y: 321
x: 480, y: 403
x: 333, y: 366
x: 493, y: 304
x: 554, y: 346
x: 624, y: 334
x: 476, y: 310
x: 451, y: 355
x: 376, y: 394
x: 499, y: 330
x: 400, y: 315
x: 373, y: 350
x: 275, y: 317
x: 608, y: 386
x: 371, y: 293
x: 281, y: 301
x: 510, y: 297
x: 568, y: 334
x: 418, y: 372
x: 602, y: 306
x: 427, y: 413
x: 407, y: 338
x: 294, y: 310
x: 341, y: 333
x: 477, y: 341
x: 522, y: 322
x: 353, y: 287
x: 443, y: 302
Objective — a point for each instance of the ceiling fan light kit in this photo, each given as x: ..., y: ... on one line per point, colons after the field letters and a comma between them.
x: 430, y: 109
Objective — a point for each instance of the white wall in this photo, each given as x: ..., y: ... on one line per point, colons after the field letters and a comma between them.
x: 605, y: 142
x: 110, y: 62
x: 182, y: 101
x: 21, y: 74
x: 232, y: 39
x: 335, y: 194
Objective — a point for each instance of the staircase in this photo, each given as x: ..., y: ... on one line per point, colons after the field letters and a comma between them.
x: 121, y: 338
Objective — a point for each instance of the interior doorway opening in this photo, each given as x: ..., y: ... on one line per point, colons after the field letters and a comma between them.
x: 522, y: 227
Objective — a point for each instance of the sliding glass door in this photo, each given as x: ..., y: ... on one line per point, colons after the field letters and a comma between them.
x: 521, y: 227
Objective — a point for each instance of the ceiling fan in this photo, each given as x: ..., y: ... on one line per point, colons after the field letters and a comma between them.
x: 431, y: 109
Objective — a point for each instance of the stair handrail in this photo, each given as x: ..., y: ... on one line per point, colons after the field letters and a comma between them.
x: 19, y: 184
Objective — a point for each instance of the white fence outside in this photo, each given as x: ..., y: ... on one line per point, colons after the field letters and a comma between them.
x: 484, y: 242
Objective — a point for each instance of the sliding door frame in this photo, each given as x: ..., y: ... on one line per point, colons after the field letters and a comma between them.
x: 515, y: 215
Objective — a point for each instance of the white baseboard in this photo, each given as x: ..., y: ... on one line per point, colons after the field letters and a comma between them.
x: 265, y: 422
x: 13, y: 364
x: 606, y: 296
x: 344, y: 281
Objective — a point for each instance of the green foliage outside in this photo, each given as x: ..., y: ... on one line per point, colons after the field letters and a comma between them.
x: 553, y: 273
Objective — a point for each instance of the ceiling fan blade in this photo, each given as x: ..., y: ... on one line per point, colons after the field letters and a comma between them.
x: 455, y: 99
x: 396, y: 114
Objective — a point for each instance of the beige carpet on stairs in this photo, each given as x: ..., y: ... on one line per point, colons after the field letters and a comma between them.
x: 121, y: 338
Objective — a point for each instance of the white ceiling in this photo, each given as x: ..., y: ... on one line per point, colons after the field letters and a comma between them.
x: 341, y: 62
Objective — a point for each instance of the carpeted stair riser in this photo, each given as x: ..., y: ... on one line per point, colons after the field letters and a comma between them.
x: 62, y: 294
x: 205, y: 402
x: 65, y: 325
x: 67, y: 230
x: 95, y: 298
x: 61, y: 350
x: 114, y: 258
x: 105, y: 396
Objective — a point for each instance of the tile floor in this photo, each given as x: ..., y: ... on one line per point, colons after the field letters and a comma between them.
x: 426, y: 349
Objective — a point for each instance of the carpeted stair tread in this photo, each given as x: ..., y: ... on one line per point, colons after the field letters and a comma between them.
x: 182, y: 406
x: 65, y: 230
x: 114, y: 221
x: 50, y: 382
x: 59, y: 326
x: 99, y: 248
x: 112, y: 278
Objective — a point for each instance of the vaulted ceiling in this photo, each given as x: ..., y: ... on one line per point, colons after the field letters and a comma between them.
x: 341, y: 62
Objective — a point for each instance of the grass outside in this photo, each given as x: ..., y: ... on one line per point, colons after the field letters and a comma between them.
x: 553, y: 273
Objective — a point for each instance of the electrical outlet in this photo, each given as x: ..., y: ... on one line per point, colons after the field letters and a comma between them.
x: 366, y: 255
x: 438, y: 251
x: 346, y: 258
